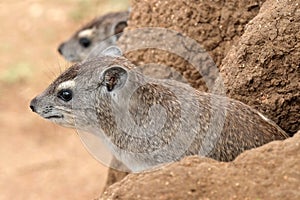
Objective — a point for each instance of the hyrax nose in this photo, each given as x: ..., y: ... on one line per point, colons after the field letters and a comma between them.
x: 33, y: 105
x: 60, y: 48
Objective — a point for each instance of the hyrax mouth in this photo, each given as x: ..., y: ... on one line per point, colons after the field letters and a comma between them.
x: 54, y: 117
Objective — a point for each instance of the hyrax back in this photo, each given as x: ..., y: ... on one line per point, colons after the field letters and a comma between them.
x: 145, y: 121
x: 103, y: 30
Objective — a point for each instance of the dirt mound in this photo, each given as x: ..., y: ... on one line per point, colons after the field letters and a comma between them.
x: 216, y: 25
x: 263, y: 69
x: 268, y: 172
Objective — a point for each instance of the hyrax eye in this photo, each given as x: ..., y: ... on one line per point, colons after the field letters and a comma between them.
x: 65, y: 95
x: 85, y: 42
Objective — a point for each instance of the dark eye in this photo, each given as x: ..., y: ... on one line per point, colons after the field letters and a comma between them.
x: 85, y: 42
x: 65, y: 95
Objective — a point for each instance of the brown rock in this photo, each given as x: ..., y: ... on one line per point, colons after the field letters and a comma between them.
x: 216, y: 25
x: 263, y: 69
x: 114, y: 176
x: 269, y: 172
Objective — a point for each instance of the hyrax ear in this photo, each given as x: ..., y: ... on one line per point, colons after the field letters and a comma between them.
x: 119, y: 28
x: 115, y: 77
x: 113, y: 51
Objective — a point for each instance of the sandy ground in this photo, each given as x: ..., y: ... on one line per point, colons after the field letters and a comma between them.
x: 40, y: 160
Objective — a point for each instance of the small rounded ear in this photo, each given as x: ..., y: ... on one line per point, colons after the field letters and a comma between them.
x: 113, y: 51
x: 115, y: 77
x: 119, y: 28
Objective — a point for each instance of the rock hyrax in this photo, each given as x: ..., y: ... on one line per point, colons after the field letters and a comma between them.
x: 104, y: 30
x: 145, y: 121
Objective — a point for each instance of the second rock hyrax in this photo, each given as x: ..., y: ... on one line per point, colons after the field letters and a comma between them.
x: 145, y: 121
x: 103, y: 30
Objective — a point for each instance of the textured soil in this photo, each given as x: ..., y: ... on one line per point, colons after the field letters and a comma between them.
x: 268, y: 172
x: 263, y: 70
x: 216, y: 25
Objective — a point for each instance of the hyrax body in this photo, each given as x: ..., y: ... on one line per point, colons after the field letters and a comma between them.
x: 104, y: 30
x: 146, y: 122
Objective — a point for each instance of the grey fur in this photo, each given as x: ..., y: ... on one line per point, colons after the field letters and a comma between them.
x: 146, y: 122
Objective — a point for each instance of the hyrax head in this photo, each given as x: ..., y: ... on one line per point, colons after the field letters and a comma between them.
x: 104, y: 30
x: 72, y: 99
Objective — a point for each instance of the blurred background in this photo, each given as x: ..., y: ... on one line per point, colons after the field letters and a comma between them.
x: 40, y: 160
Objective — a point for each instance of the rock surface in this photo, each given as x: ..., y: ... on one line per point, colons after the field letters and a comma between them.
x: 269, y: 172
x: 216, y: 25
x: 263, y: 69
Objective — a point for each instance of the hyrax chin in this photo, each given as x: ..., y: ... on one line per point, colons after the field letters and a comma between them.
x: 102, y: 31
x: 146, y: 122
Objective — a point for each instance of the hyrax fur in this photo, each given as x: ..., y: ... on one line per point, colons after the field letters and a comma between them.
x: 146, y: 122
x: 104, y: 30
